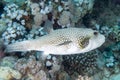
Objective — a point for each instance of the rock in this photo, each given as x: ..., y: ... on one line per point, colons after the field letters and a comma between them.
x: 7, y: 73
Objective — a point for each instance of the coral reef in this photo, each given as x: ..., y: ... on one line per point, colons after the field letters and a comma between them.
x: 20, y: 3
x: 53, y: 64
x: 60, y: 10
x: 12, y: 13
x: 8, y: 61
x: 14, y: 23
x: 13, y: 33
x: 35, y: 33
x: 2, y: 47
x: 83, y: 6
x: 7, y: 73
x: 62, y: 75
x: 29, y: 66
x: 83, y: 78
x: 29, y: 19
x: 81, y: 63
x: 115, y: 33
x: 33, y: 69
x: 34, y: 8
x: 65, y: 18
x: 39, y: 18
x: 2, y: 27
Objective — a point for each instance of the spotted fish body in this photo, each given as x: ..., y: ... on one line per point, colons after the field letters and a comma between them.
x: 62, y: 42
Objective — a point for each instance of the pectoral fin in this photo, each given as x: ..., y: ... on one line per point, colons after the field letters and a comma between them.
x: 83, y: 42
x: 64, y: 43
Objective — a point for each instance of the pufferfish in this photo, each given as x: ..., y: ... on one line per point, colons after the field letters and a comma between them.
x: 62, y: 42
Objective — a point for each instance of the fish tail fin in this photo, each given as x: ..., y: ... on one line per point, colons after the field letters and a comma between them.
x: 19, y: 46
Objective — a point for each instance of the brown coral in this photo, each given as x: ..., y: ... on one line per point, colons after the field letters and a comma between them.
x: 28, y: 66
x: 81, y: 63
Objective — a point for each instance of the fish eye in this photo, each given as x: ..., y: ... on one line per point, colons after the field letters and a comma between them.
x: 95, y: 33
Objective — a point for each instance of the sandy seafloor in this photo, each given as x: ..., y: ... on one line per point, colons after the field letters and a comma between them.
x: 29, y: 19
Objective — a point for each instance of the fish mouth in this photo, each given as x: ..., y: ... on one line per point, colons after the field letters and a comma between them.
x: 98, y: 41
x: 94, y: 43
x: 101, y: 39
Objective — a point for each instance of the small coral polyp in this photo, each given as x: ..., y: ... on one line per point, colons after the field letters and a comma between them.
x: 12, y: 11
x: 14, y: 33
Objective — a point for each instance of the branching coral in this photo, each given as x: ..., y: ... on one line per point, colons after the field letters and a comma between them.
x: 39, y: 18
x: 31, y: 69
x: 12, y: 13
x: 63, y: 11
x: 30, y: 66
x: 82, y: 63
x: 65, y: 19
x: 13, y: 33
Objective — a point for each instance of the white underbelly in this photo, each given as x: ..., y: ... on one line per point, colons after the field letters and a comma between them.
x: 61, y: 50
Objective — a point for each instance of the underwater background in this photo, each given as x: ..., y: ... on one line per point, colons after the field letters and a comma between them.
x: 28, y: 19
